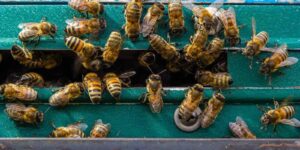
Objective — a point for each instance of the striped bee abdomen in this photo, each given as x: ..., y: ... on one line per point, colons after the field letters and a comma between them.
x: 74, y: 43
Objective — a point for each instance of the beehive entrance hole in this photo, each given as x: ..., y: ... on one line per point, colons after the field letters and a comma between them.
x: 11, y: 70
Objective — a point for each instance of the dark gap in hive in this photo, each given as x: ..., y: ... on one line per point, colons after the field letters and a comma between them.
x: 127, y: 61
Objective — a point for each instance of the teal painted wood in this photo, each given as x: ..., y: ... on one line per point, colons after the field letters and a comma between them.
x: 269, y: 18
x: 136, y: 121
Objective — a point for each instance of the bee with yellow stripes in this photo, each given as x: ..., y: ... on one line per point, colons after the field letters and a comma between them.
x: 213, y: 108
x: 231, y: 30
x: 216, y: 80
x: 278, y: 60
x: 94, y: 86
x: 14, y: 92
x: 78, y: 27
x: 113, y: 82
x: 280, y: 114
x: 88, y: 54
x: 193, y: 51
x: 257, y: 42
x: 112, y: 48
x: 33, y: 30
x: 75, y: 130
x: 93, y: 7
x: 212, y: 52
x: 186, y: 116
x: 19, y: 112
x: 133, y: 13
x: 31, y: 79
x: 100, y: 129
x: 20, y: 53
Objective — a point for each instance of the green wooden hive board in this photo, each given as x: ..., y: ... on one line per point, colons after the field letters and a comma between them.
x: 131, y: 119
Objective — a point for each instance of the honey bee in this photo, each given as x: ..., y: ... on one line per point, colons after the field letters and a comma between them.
x: 20, y: 53
x: 216, y: 80
x: 40, y: 60
x: 78, y: 27
x: 231, y: 30
x: 162, y: 47
x: 214, y: 107
x: 187, y: 114
x: 280, y: 114
x: 193, y: 51
x: 33, y: 31
x: 93, y: 7
x: 18, y: 92
x: 206, y: 17
x: 94, y: 87
x: 31, y: 79
x: 146, y: 59
x: 87, y: 52
x: 277, y: 60
x: 133, y: 13
x: 154, y: 14
x: 213, y: 51
x: 113, y: 82
x: 240, y: 129
x: 154, y: 93
x: 20, y: 113
x: 64, y: 95
x: 112, y: 48
x: 75, y: 130
x: 100, y: 130
x: 257, y: 42
x: 176, y: 18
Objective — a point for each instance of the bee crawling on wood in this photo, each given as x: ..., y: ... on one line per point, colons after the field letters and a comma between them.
x: 19, y: 112
x: 31, y: 79
x: 75, y: 130
x: 151, y: 19
x: 240, y: 129
x: 278, y: 60
x: 33, y: 31
x: 133, y: 13
x: 187, y: 115
x: 78, y: 27
x: 94, y: 87
x: 216, y: 80
x: 64, y: 95
x: 212, y: 110
x: 280, y: 114
x: 93, y: 7
x: 112, y: 49
x: 14, y: 92
x: 100, y: 129
x: 113, y: 82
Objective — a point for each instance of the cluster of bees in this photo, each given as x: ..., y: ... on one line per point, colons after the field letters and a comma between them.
x: 195, y: 59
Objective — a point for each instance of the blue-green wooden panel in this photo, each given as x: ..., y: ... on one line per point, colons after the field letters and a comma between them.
x: 136, y: 121
x: 269, y: 18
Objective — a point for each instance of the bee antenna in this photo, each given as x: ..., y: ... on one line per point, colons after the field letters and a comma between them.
x: 162, y: 71
x: 47, y: 110
x: 53, y: 125
x: 150, y: 69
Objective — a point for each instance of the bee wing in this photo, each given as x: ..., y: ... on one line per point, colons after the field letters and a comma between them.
x: 26, y: 25
x: 74, y: 21
x: 148, y: 24
x: 213, y: 7
x: 127, y: 74
x: 15, y: 105
x: 189, y: 4
x: 196, y: 10
x: 272, y: 50
x: 288, y: 62
x: 240, y: 120
x: 292, y: 122
x: 99, y: 121
x: 80, y: 125
x: 253, y: 27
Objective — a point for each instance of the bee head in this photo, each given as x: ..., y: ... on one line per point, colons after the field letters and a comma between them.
x: 53, y: 28
x: 198, y: 87
x: 16, y: 48
x: 233, y: 40
x: 154, y: 80
x: 267, y: 66
x: 160, y: 5
x: 219, y: 96
x: 101, y: 23
x: 266, y: 119
x: 95, y: 65
x: 81, y: 86
x: 39, y: 117
x: 155, y: 77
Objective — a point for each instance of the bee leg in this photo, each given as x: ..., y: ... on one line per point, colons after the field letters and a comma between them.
x: 144, y: 98
x: 275, y: 128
